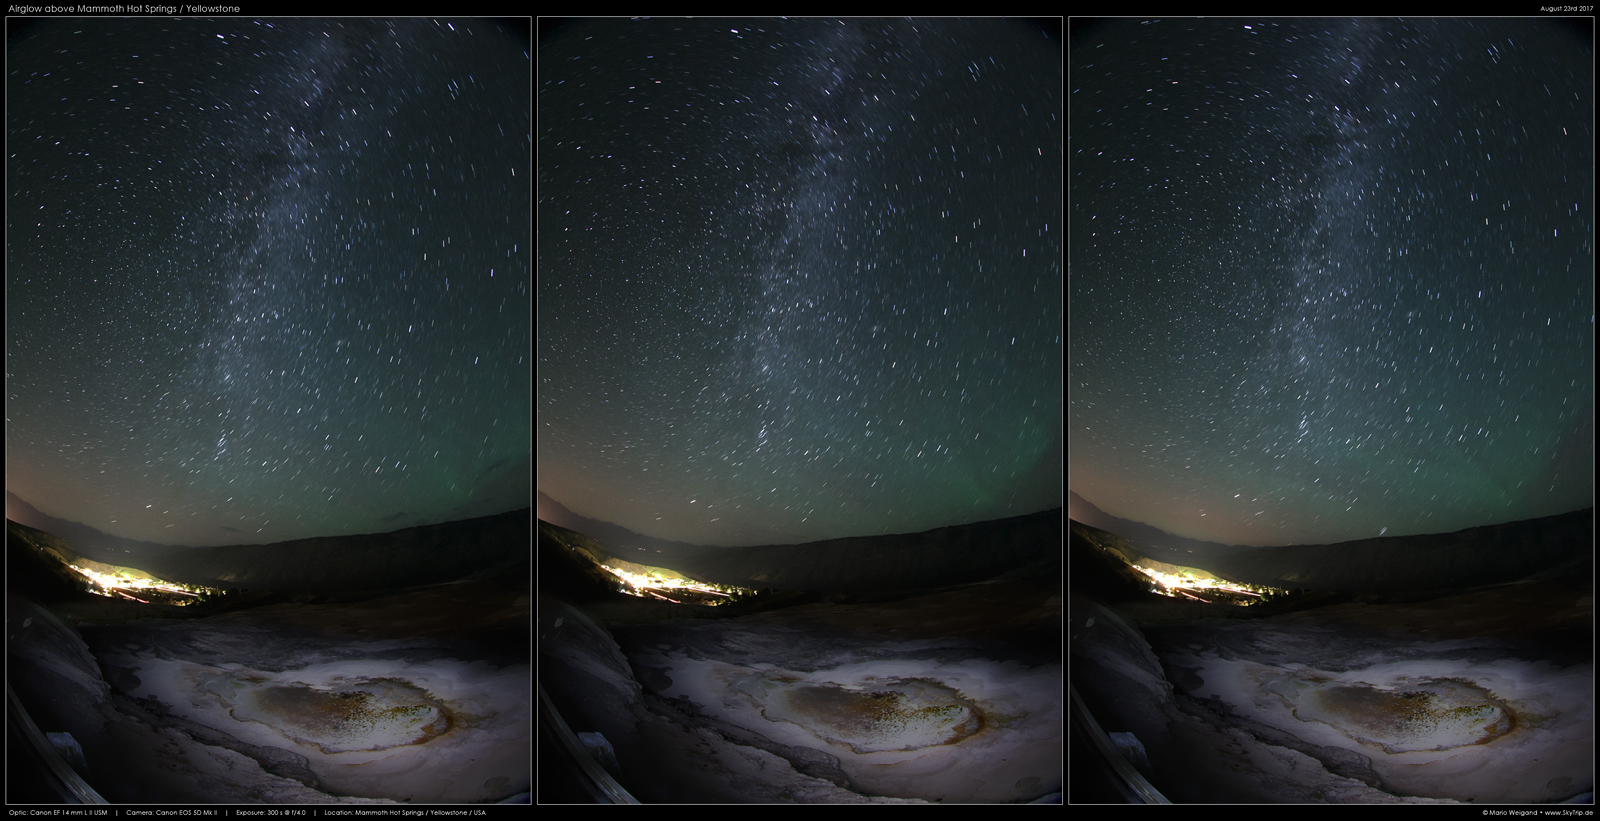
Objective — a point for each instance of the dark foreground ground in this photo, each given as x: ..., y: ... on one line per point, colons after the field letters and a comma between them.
x: 413, y: 696
x: 1481, y: 695
x: 950, y: 695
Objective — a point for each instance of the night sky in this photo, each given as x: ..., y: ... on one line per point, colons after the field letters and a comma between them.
x: 800, y: 279
x: 268, y: 279
x: 1331, y: 279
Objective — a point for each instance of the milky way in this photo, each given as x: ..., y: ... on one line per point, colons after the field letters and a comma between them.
x: 1331, y: 279
x: 799, y: 279
x: 268, y: 279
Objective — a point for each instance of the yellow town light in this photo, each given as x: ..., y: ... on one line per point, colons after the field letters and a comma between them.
x: 637, y: 582
x: 121, y: 581
x: 1170, y: 582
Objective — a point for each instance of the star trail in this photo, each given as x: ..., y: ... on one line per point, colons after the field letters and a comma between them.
x: 800, y: 279
x: 1331, y: 279
x: 270, y: 279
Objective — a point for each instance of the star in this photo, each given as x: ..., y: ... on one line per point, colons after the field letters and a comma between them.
x: 807, y: 273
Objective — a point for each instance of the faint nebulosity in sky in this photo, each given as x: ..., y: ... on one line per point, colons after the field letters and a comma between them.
x: 268, y: 279
x: 1331, y: 277
x: 800, y: 279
